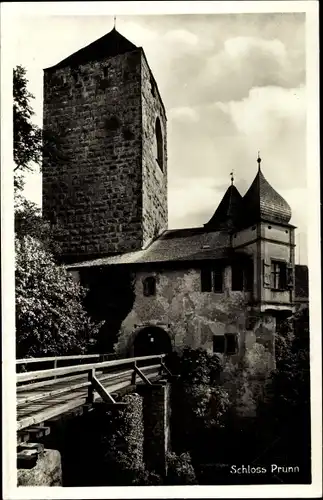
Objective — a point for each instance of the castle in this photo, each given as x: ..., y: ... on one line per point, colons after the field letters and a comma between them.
x: 223, y: 286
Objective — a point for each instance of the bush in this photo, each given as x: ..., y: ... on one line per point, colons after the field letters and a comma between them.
x: 50, y: 318
x: 180, y: 470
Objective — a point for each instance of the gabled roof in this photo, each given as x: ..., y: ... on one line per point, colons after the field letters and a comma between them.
x: 177, y: 245
x: 227, y: 212
x: 109, y: 45
x: 262, y: 202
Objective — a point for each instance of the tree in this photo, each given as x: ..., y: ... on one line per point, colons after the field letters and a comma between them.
x: 27, y: 140
x: 50, y: 318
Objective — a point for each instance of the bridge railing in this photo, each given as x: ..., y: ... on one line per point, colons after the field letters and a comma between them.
x: 71, y: 386
x: 28, y: 364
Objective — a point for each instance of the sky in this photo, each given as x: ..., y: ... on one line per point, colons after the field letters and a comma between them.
x: 232, y: 85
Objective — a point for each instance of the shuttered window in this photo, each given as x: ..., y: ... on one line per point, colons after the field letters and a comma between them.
x: 212, y: 280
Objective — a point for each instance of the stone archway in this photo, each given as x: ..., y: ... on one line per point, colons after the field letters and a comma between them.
x: 151, y: 340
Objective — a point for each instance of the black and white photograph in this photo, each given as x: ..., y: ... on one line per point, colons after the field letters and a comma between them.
x: 161, y: 227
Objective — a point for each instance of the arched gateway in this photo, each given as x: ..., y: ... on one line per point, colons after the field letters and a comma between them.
x: 151, y: 340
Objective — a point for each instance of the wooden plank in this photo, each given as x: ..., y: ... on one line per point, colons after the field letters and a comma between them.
x: 142, y: 375
x: 42, y: 374
x: 50, y: 394
x: 59, y: 358
x: 98, y: 387
x: 42, y: 416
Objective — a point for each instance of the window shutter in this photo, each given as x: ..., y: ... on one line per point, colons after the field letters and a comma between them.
x: 218, y: 344
x: 290, y: 275
x: 206, y: 280
x: 266, y: 274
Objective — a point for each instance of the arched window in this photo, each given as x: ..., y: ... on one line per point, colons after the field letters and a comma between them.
x: 159, y: 144
x: 149, y: 286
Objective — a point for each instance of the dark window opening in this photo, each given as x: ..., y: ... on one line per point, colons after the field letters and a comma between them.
x: 212, y: 280
x: 152, y: 86
x: 159, y: 144
x: 230, y: 343
x: 249, y: 277
x: 218, y: 344
x: 217, y: 280
x: 206, y: 280
x: 149, y: 286
x: 237, y: 277
x: 225, y: 344
x: 278, y: 275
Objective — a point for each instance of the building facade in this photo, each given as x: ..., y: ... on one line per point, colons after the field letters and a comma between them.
x: 223, y: 286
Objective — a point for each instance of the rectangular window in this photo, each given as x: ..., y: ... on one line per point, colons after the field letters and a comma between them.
x: 149, y: 286
x: 237, y: 277
x: 249, y: 277
x: 230, y: 343
x: 206, y: 280
x: 218, y: 344
x: 218, y: 280
x: 278, y: 275
x: 212, y: 280
x: 225, y: 344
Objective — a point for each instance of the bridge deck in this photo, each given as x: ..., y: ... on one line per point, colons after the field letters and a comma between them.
x: 45, y: 394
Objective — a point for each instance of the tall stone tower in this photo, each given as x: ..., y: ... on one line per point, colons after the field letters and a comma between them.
x: 105, y: 181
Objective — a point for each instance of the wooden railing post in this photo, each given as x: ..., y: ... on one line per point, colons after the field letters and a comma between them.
x: 90, y: 391
x: 133, y: 378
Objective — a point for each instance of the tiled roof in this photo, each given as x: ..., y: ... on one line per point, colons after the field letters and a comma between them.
x: 227, y: 212
x: 177, y: 245
x: 301, y: 282
x: 109, y: 45
x: 262, y: 202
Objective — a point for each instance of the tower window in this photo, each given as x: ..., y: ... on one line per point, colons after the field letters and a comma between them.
x: 218, y: 344
x: 278, y: 275
x: 159, y: 144
x: 152, y: 86
x: 212, y: 280
x: 149, y: 286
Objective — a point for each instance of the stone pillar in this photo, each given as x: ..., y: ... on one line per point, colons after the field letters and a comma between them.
x: 156, y: 411
x: 46, y: 471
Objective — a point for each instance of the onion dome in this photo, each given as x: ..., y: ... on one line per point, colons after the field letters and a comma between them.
x: 262, y: 202
x: 227, y: 212
x: 109, y: 45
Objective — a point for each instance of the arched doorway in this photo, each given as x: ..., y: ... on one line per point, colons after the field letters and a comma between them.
x: 152, y: 340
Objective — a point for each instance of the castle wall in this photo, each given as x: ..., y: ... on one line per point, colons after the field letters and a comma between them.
x: 154, y: 178
x: 93, y: 191
x: 191, y: 317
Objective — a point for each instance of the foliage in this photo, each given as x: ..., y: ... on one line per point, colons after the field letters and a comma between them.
x: 199, y: 402
x: 50, y: 319
x: 195, y: 366
x: 27, y: 141
x: 180, y: 470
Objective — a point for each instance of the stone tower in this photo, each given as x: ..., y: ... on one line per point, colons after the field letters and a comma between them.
x: 105, y: 178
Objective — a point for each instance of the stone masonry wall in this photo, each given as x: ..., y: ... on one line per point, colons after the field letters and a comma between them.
x: 155, y: 209
x: 93, y: 191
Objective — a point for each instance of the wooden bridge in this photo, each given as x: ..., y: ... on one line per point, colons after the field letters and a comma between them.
x: 49, y: 393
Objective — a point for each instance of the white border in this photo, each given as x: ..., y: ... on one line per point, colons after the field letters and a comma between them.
x: 11, y: 10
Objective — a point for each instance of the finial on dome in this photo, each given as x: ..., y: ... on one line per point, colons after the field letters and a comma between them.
x: 232, y: 178
x: 259, y: 160
x: 114, y: 22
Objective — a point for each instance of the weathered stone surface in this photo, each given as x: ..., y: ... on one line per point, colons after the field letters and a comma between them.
x: 47, y: 471
x: 106, y: 192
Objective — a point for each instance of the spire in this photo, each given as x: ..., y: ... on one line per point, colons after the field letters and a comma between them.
x: 262, y: 202
x: 228, y: 210
x: 232, y: 178
x: 259, y: 160
x: 115, y: 22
